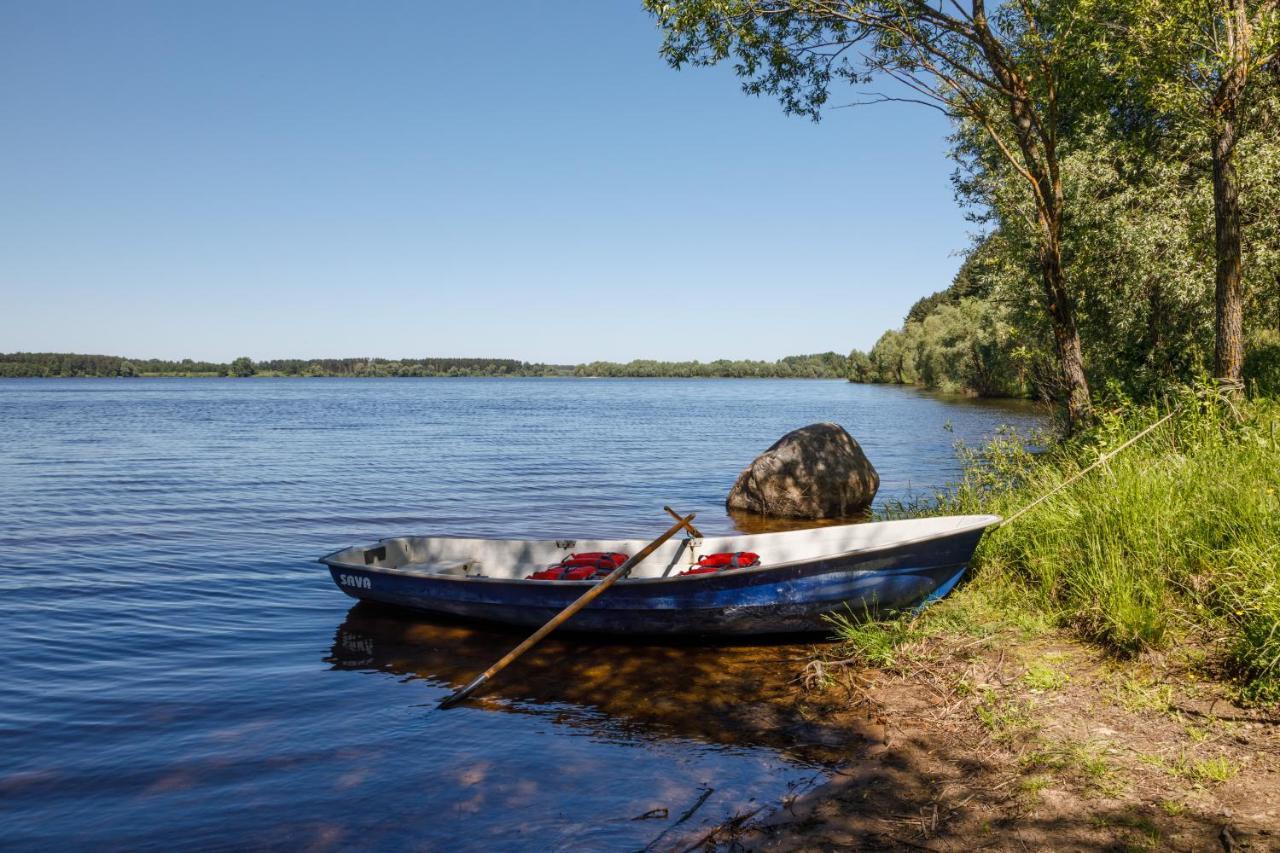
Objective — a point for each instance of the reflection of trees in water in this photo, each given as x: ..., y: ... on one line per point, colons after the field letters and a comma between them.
x: 742, y: 695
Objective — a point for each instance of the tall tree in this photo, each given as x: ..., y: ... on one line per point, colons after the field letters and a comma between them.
x: 1010, y: 72
x: 243, y: 366
x: 1201, y: 63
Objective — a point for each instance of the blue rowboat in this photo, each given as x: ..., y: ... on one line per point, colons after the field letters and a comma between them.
x: 803, y: 575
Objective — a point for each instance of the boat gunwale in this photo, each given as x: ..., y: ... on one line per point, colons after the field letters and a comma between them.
x: 981, y: 522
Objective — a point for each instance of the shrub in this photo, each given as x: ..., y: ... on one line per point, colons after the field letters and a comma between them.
x: 1262, y: 365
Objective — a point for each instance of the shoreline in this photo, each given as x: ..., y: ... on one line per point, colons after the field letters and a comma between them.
x: 822, y: 365
x: 979, y: 749
x: 1108, y: 677
x: 470, y: 376
x: 919, y: 389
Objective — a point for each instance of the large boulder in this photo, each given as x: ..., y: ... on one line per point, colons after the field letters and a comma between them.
x: 817, y: 471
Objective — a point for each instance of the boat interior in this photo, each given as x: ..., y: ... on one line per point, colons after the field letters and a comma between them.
x: 517, y: 558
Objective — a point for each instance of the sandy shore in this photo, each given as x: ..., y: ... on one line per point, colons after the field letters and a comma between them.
x: 1008, y: 743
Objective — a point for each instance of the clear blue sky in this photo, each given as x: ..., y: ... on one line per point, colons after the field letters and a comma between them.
x: 524, y: 180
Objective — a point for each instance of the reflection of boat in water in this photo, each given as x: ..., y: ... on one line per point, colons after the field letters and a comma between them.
x: 742, y: 695
x: 802, y: 576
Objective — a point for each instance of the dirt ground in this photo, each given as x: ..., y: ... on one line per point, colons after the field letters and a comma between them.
x: 1006, y: 743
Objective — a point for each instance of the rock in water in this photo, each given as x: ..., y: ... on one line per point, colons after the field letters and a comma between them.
x: 817, y: 471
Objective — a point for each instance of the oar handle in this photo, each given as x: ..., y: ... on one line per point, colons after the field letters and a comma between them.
x: 693, y: 531
x: 565, y: 615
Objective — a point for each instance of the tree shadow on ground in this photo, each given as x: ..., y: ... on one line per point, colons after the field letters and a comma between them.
x: 895, y: 783
x: 924, y: 793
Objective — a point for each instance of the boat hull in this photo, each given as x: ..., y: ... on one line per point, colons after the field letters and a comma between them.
x: 790, y: 598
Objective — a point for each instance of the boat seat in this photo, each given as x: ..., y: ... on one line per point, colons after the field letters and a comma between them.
x: 450, y: 568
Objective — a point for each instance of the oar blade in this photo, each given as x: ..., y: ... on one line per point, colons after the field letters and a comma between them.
x: 462, y: 693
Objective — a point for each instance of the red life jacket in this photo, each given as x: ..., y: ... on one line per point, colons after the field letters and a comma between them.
x: 723, y: 561
x: 581, y: 567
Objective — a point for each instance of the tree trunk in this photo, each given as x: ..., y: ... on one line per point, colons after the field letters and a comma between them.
x: 1066, y: 337
x: 1037, y: 143
x: 1228, y: 348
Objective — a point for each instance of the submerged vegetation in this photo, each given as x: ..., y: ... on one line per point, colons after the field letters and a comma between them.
x: 1173, y: 543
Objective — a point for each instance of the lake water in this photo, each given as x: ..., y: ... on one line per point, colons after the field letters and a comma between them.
x: 180, y: 672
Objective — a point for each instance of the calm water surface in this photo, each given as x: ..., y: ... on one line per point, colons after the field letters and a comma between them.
x: 180, y: 672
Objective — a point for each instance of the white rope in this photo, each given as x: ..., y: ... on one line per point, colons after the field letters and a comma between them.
x: 1103, y: 459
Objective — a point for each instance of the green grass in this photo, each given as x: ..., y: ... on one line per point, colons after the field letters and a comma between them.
x: 1032, y: 786
x: 1087, y: 760
x: 1217, y: 770
x: 1172, y: 543
x: 1008, y: 721
x: 874, y: 638
x: 1198, y: 771
x: 1134, y: 695
x: 1044, y: 677
x: 1176, y: 537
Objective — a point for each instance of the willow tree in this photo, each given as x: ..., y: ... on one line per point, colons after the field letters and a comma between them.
x: 1011, y: 71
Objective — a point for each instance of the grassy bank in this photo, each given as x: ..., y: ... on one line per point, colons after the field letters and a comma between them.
x: 1172, y: 545
x: 1108, y: 677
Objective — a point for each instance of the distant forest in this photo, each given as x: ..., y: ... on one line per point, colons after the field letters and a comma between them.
x: 828, y: 365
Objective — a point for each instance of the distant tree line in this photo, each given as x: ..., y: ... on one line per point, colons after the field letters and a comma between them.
x: 430, y: 367
x: 829, y: 365
x: 33, y: 364
x: 46, y: 364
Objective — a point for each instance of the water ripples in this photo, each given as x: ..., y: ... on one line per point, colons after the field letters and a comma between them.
x: 180, y: 672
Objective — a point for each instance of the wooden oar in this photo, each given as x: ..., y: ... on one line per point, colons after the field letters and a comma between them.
x: 693, y: 531
x: 564, y: 615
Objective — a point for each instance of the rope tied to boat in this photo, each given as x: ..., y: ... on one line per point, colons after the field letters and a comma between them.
x: 1226, y: 393
x: 1101, y: 460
